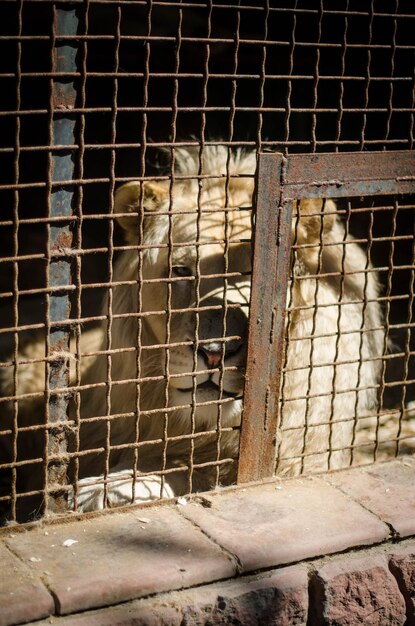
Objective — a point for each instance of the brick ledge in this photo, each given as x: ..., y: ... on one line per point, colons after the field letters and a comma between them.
x: 269, y: 545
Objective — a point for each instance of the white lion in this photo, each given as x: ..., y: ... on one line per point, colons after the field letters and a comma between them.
x: 185, y: 235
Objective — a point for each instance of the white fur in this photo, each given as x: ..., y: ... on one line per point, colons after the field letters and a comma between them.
x: 344, y: 302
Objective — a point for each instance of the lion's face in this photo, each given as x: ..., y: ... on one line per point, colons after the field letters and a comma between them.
x: 197, y: 267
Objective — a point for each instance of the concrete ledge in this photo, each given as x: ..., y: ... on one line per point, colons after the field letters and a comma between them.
x: 261, y: 555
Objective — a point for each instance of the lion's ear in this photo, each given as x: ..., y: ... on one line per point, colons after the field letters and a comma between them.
x: 317, y: 219
x: 134, y: 197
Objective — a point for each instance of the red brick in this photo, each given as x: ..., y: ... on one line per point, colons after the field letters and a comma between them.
x: 388, y: 490
x: 357, y: 590
x: 279, y: 598
x: 285, y: 522
x: 402, y: 566
x: 118, y: 558
x: 23, y: 597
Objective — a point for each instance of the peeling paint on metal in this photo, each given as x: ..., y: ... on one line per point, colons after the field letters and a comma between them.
x: 60, y: 241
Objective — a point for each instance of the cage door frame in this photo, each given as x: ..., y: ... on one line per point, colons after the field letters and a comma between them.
x: 281, y: 180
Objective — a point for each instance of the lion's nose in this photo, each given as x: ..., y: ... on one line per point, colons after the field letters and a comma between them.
x: 216, y: 335
x: 211, y: 352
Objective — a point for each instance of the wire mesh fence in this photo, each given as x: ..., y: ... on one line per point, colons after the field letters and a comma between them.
x: 131, y: 195
x: 350, y: 313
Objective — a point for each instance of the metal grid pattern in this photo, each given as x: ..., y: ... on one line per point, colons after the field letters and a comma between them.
x: 101, y: 93
x: 356, y: 386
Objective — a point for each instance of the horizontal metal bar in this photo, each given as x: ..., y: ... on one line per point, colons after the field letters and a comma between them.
x: 346, y: 174
x: 239, y: 7
x: 133, y: 145
x: 224, y: 109
x: 207, y: 40
x: 199, y: 75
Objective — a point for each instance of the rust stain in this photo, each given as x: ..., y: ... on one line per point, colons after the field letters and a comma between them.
x: 63, y: 98
x: 63, y: 241
x: 65, y: 22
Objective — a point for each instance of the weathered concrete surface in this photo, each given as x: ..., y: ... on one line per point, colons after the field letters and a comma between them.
x: 235, y: 556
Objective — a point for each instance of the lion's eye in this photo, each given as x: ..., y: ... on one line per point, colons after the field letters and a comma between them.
x: 181, y: 270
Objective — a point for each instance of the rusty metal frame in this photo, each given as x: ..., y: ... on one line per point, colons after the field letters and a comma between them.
x: 61, y: 205
x: 281, y: 181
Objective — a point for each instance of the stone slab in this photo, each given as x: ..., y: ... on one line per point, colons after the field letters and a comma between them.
x: 119, y: 557
x: 285, y: 522
x: 278, y: 598
x: 23, y: 596
x: 388, y: 490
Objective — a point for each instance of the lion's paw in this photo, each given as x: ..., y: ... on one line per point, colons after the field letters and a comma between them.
x: 121, y: 490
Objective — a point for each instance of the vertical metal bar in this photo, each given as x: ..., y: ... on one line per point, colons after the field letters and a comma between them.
x: 271, y: 266
x: 60, y: 242
x: 262, y: 79
x: 140, y: 233
x: 315, y: 117
x: 340, y: 113
x: 232, y: 114
x: 16, y: 213
x: 290, y: 73
x: 407, y: 348
x: 78, y: 234
x: 110, y: 259
x: 368, y: 78
x: 167, y: 355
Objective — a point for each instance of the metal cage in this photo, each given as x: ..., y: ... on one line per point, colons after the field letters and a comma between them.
x: 182, y: 303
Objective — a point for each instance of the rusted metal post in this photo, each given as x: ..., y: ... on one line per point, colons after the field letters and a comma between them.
x: 60, y: 242
x: 270, y: 273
